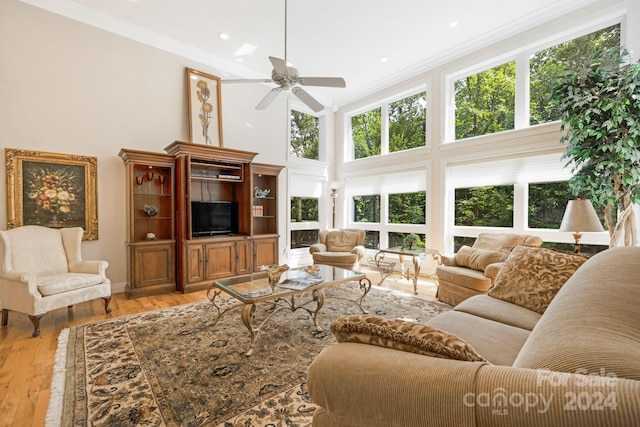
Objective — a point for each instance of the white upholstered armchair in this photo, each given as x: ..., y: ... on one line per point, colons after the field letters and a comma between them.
x: 42, y: 270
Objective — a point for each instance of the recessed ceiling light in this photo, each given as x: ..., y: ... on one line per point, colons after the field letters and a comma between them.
x: 223, y: 36
x: 384, y: 59
x: 453, y: 24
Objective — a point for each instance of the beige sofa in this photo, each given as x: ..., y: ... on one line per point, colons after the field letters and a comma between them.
x: 472, y: 270
x: 576, y: 364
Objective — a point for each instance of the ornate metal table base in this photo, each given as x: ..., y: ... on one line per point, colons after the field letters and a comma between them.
x: 388, y: 268
x: 292, y: 303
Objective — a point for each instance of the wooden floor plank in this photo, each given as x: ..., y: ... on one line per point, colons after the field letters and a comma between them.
x: 26, y: 363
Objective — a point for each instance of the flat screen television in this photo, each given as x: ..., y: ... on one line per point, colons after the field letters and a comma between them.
x: 214, y: 219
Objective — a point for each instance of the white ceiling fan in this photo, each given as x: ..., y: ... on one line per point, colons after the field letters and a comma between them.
x: 287, y: 79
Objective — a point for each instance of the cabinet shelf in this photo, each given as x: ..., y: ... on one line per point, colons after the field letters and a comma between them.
x: 154, y: 218
x: 151, y: 263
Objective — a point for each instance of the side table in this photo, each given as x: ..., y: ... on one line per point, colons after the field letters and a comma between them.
x: 386, y: 268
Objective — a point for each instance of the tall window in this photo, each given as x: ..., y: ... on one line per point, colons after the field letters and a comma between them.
x: 485, y: 101
x: 549, y: 64
x: 397, y: 239
x: 303, y: 238
x: 304, y: 209
x: 407, y: 123
x: 366, y: 208
x: 372, y: 239
x: 547, y: 202
x: 406, y: 128
x: 366, y: 131
x: 305, y: 135
x: 407, y: 208
x: 487, y: 206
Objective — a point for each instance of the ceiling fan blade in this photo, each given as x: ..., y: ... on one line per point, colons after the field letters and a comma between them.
x: 280, y: 65
x: 267, y: 100
x: 247, y: 81
x: 307, y: 99
x: 322, y: 81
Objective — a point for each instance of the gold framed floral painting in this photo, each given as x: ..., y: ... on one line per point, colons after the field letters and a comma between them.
x: 204, y: 108
x: 52, y: 190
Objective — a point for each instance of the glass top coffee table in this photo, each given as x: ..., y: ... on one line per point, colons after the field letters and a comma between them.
x: 296, y: 290
x: 387, y: 268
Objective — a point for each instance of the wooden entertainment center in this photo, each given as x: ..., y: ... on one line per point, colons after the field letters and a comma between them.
x: 164, y: 254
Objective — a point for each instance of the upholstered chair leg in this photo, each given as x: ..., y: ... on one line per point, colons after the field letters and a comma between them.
x: 36, y: 324
x: 5, y: 316
x: 107, y: 300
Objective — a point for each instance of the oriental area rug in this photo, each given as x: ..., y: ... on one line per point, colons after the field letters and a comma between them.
x: 174, y: 367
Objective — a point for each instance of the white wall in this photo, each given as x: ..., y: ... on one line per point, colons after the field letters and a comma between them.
x: 69, y: 88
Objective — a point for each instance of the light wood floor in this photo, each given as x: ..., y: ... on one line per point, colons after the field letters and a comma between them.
x: 26, y: 363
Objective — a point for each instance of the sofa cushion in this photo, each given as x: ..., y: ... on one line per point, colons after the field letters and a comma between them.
x: 465, y: 277
x: 532, y: 276
x: 342, y: 240
x: 476, y: 258
x: 501, y: 311
x: 593, y: 325
x: 402, y: 335
x: 498, y: 343
x: 60, y: 283
x: 500, y: 242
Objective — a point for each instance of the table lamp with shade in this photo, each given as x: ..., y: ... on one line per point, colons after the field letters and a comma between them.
x: 580, y: 217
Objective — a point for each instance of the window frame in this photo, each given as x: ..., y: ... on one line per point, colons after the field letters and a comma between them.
x: 383, y: 104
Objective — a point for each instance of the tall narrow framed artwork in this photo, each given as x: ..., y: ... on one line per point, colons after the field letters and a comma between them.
x: 204, y: 108
x: 53, y: 190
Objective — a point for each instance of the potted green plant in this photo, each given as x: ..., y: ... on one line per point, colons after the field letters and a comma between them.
x: 600, y: 108
x: 410, y: 240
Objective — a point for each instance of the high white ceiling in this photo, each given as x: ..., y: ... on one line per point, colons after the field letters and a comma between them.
x: 346, y: 38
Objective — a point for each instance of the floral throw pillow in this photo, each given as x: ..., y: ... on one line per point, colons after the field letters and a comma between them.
x: 402, y: 335
x: 531, y: 276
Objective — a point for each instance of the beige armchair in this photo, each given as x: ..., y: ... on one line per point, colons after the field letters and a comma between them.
x: 473, y: 269
x: 339, y: 248
x: 42, y: 270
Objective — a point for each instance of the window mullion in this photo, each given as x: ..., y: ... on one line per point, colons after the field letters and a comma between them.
x: 384, y: 132
x: 522, y: 91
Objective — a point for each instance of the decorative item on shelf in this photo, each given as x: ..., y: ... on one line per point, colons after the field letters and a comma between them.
x: 161, y: 180
x: 150, y: 210
x: 274, y: 271
x: 151, y: 236
x: 139, y: 180
x: 410, y: 240
x: 261, y: 194
x: 258, y: 211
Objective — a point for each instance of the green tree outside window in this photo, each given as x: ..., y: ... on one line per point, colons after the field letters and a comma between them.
x: 407, y: 123
x: 550, y: 64
x: 485, y: 102
x: 305, y: 135
x: 487, y: 206
x: 304, y: 209
x: 366, y: 130
x: 366, y: 208
x: 407, y: 208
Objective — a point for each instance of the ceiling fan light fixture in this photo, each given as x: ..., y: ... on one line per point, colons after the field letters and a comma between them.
x: 287, y: 78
